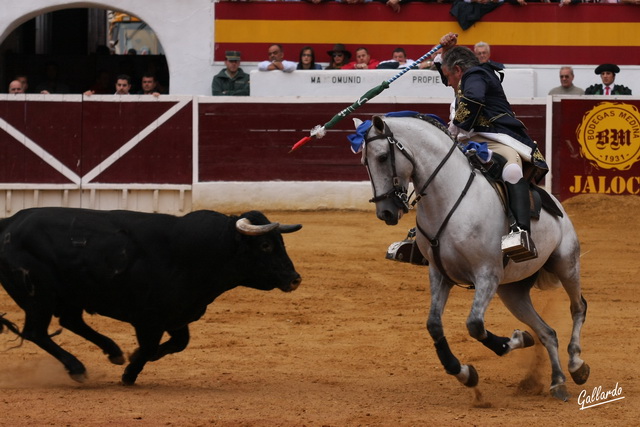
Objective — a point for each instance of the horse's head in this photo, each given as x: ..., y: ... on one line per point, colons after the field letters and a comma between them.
x: 390, y: 166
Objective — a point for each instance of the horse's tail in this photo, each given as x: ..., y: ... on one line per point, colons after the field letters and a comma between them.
x: 547, y: 280
x: 10, y: 325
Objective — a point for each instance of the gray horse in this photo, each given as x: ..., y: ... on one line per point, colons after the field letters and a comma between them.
x: 460, y: 221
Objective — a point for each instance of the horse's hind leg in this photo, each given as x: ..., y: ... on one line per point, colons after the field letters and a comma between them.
x: 517, y: 299
x: 36, y: 330
x: 440, y: 289
x: 71, y: 319
x: 578, y: 368
x: 569, y: 275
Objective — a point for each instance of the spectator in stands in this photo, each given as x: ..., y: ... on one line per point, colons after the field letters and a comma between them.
x: 16, y: 87
x: 363, y: 61
x: 394, y: 5
x: 307, y: 60
x: 276, y: 61
x: 51, y: 82
x: 608, y: 76
x: 232, y: 81
x: 483, y: 53
x: 398, y: 60
x: 340, y: 57
x: 102, y: 84
x: 566, y: 84
x: 123, y: 86
x: 149, y: 85
x: 24, y: 81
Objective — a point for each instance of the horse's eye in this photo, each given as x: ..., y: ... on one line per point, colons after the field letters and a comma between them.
x: 383, y: 158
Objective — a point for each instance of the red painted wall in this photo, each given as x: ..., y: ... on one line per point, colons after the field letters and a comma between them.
x: 596, y: 143
x: 81, y: 135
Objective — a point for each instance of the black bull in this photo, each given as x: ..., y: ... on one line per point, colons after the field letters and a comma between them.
x: 157, y: 272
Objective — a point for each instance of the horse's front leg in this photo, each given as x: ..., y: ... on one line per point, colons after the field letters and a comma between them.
x: 485, y: 291
x: 440, y: 289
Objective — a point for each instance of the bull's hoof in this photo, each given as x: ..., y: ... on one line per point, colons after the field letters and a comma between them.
x: 117, y: 359
x: 581, y: 375
x: 128, y: 380
x: 80, y: 377
x: 560, y: 392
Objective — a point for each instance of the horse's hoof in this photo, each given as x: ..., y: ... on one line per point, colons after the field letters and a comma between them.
x: 117, y: 360
x: 520, y: 339
x: 473, y: 377
x: 80, y: 378
x: 468, y: 375
x: 581, y: 375
x: 560, y: 392
x: 527, y: 339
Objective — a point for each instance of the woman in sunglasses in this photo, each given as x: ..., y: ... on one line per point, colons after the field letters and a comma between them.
x: 340, y: 57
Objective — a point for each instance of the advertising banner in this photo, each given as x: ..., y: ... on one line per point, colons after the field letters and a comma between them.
x: 596, y: 146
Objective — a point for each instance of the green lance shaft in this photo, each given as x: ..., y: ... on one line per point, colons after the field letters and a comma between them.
x: 319, y: 131
x: 372, y: 93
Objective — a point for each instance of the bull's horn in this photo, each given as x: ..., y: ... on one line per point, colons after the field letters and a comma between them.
x: 244, y: 226
x: 286, y: 228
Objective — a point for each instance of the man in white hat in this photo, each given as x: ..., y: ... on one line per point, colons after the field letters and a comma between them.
x: 607, y: 73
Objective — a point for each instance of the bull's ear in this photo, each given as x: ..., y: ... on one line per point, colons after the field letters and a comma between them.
x: 284, y: 228
x: 357, y: 122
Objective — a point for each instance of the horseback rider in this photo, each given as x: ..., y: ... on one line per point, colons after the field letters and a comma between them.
x: 482, y: 114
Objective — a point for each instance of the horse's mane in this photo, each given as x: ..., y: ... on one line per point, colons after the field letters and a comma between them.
x: 437, y: 122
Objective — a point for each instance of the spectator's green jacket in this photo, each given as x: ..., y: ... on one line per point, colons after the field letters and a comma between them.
x: 223, y: 85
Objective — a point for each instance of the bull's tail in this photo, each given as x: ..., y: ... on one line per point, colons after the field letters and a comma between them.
x: 9, y: 325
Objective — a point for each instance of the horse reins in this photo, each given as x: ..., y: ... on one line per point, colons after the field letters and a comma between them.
x: 399, y: 196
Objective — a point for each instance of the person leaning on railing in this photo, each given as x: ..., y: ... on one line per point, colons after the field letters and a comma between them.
x: 276, y: 60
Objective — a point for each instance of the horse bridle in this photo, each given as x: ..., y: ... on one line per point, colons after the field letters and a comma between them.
x: 399, y: 195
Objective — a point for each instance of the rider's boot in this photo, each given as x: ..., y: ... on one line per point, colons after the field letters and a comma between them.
x: 518, y: 244
x: 407, y: 250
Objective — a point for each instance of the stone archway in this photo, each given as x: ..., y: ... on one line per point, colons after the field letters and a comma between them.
x: 184, y: 28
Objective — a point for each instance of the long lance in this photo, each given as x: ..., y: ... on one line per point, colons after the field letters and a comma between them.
x: 320, y: 131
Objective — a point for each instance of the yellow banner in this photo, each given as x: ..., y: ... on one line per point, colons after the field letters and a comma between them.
x: 424, y: 33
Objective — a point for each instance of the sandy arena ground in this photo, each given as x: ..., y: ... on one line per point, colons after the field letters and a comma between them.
x: 350, y: 347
